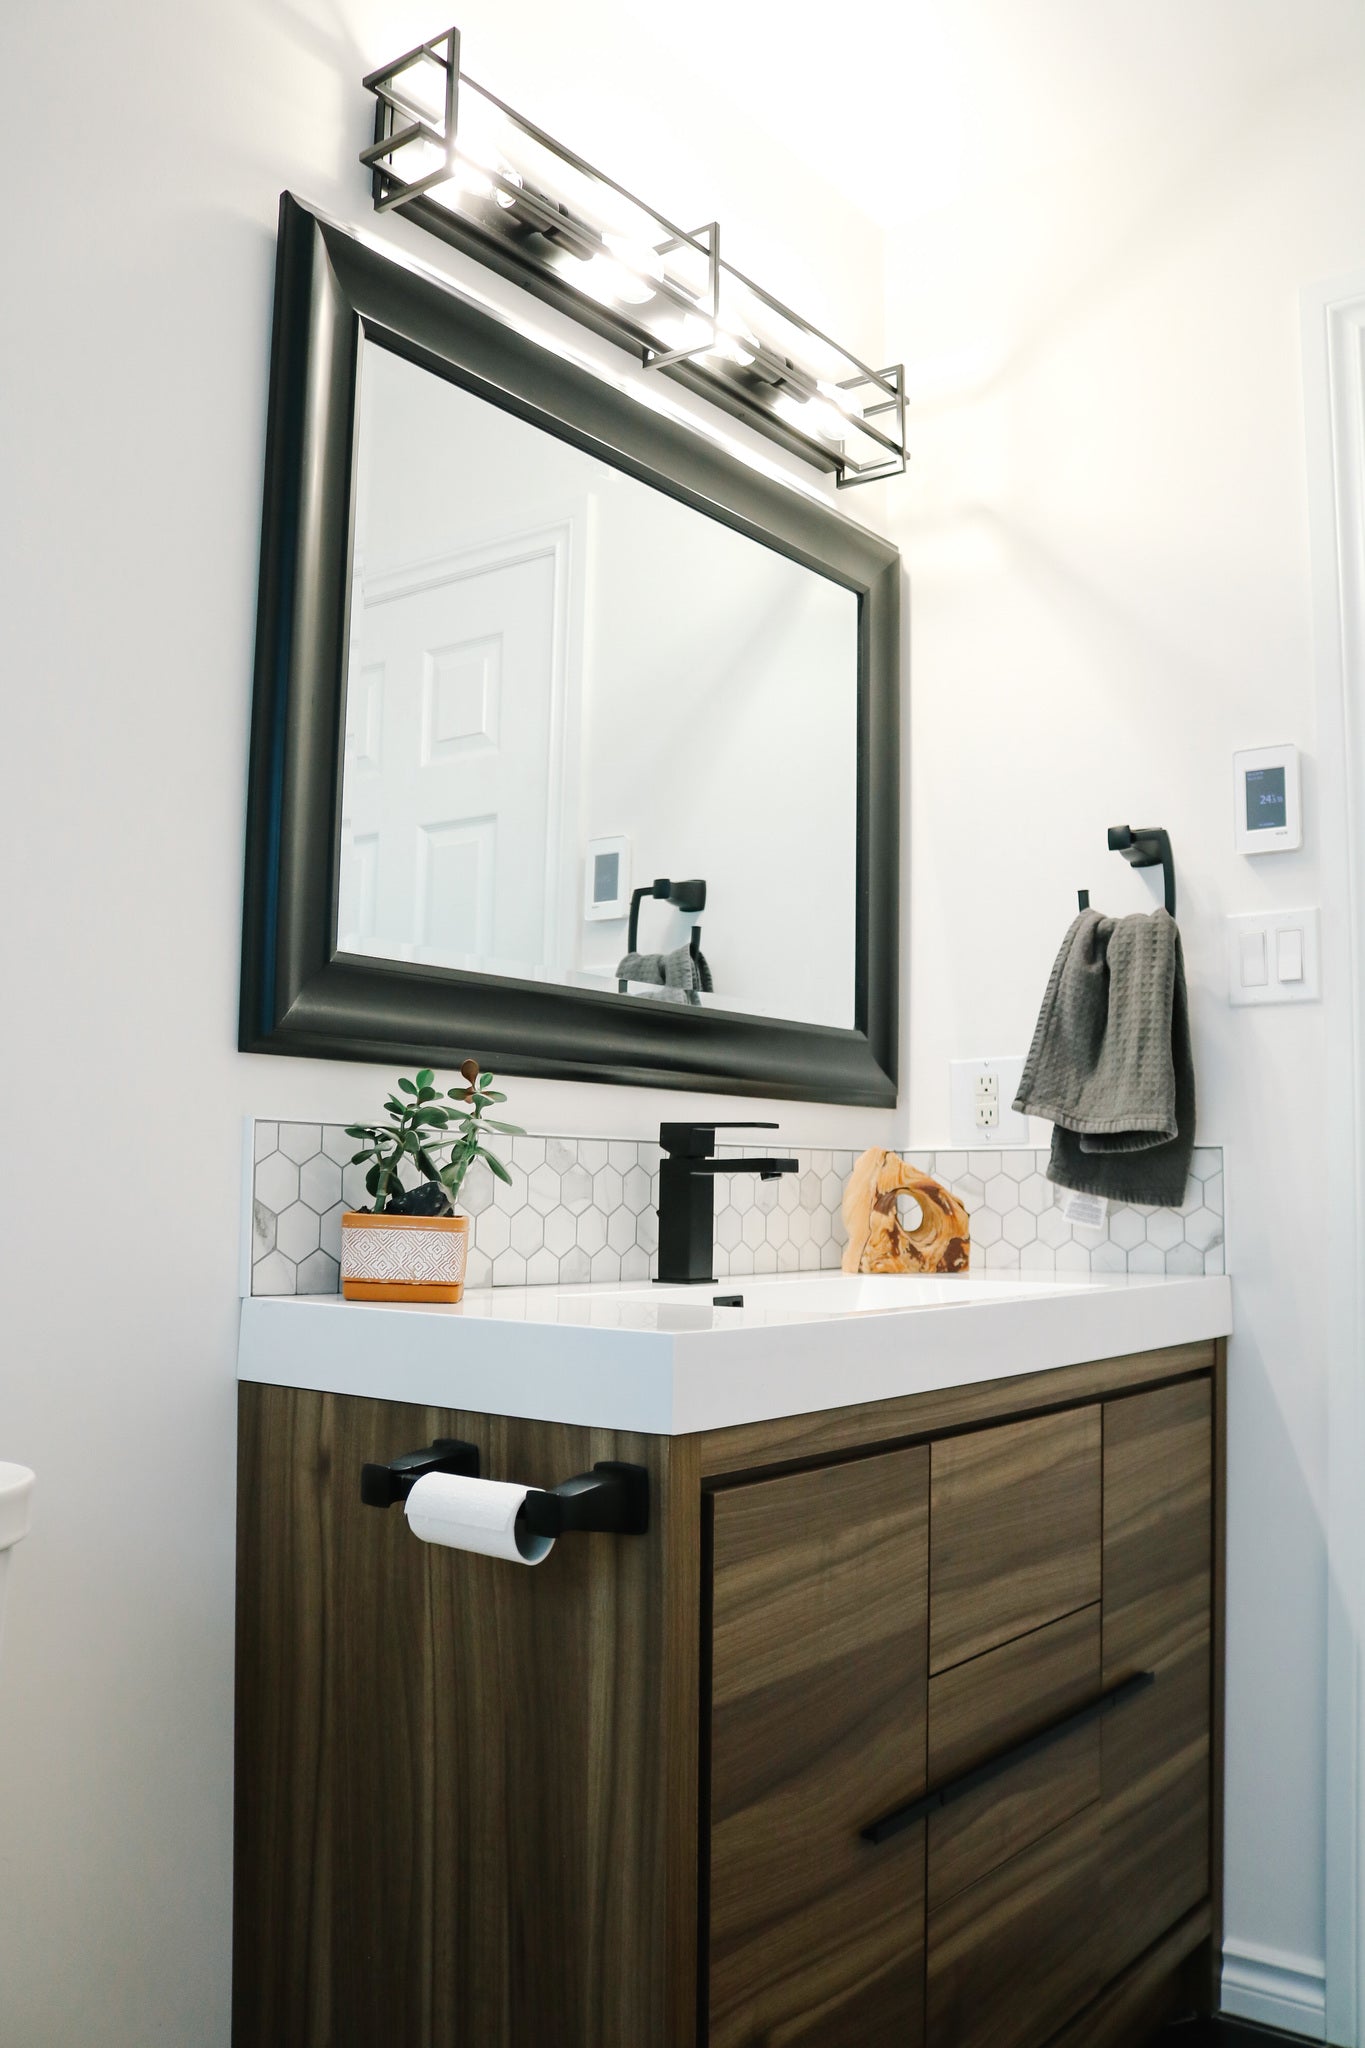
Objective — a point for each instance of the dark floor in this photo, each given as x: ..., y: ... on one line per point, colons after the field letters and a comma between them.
x: 1221, y: 2034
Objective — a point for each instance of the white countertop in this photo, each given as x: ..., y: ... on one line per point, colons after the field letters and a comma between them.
x: 665, y: 1361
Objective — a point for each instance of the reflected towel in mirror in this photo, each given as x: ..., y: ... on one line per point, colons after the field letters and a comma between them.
x: 679, y: 975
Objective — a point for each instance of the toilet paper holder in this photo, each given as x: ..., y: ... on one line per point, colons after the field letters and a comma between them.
x: 384, y: 1486
x: 612, y: 1499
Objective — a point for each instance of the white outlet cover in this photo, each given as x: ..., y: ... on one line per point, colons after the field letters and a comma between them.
x: 1012, y: 1129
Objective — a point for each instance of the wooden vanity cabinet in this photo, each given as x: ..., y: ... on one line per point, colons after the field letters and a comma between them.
x: 620, y: 1800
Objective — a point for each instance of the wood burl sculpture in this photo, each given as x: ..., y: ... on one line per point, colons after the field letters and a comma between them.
x: 883, y: 1236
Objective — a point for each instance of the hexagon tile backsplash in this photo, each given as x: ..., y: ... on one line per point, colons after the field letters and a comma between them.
x: 586, y: 1209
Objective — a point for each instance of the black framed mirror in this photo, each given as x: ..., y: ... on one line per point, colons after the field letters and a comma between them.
x: 574, y: 737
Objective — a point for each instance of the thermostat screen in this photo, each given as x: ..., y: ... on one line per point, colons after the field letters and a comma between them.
x: 606, y: 868
x: 1265, y: 799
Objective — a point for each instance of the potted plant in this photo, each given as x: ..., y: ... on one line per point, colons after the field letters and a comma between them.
x: 413, y: 1245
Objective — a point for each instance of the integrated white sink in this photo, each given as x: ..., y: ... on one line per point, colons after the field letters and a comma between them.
x: 667, y: 1360
x: 848, y: 1294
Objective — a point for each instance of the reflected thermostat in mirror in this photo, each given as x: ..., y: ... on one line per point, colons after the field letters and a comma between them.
x: 606, y: 878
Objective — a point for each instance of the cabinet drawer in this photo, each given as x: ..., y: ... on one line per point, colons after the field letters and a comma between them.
x: 1011, y: 1958
x: 980, y: 1709
x: 817, y: 1723
x: 1015, y: 1532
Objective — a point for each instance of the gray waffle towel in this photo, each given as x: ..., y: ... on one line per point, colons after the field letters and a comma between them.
x: 678, y: 972
x: 1110, y: 1063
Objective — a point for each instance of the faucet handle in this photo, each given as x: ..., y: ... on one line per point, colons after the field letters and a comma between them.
x: 698, y: 1141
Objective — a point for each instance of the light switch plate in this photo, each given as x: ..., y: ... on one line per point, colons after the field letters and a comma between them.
x: 981, y: 1092
x: 1265, y: 948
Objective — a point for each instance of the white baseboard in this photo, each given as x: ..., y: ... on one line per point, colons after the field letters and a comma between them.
x: 1275, y: 1989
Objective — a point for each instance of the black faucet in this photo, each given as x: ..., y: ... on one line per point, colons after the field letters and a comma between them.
x: 687, y: 1206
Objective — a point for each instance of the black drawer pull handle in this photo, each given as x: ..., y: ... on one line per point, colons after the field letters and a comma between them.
x: 953, y: 1788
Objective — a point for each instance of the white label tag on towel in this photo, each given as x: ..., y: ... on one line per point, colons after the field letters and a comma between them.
x: 1082, y: 1212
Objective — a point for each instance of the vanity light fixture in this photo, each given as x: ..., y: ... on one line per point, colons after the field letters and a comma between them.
x: 467, y: 167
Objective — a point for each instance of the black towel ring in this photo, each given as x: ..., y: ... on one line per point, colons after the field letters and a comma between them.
x: 682, y: 895
x: 1142, y: 846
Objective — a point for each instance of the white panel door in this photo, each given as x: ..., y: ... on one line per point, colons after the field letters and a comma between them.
x: 450, y: 722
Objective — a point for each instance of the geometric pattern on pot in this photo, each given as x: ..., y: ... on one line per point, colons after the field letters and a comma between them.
x: 419, y: 1252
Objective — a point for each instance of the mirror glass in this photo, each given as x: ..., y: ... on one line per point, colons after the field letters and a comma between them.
x: 564, y: 685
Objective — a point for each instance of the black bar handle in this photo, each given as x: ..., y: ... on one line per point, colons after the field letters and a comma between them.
x: 953, y: 1788
x: 698, y: 1141
x: 384, y: 1486
x: 611, y: 1499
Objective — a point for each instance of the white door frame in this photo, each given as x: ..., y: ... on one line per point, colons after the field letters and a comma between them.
x: 564, y: 537
x: 1333, y: 318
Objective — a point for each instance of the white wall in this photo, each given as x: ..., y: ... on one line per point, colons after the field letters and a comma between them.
x: 1106, y: 534
x: 138, y: 254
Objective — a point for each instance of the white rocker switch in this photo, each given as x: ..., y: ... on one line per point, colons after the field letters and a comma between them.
x: 1255, y: 973
x: 1289, y: 955
x: 1274, y: 957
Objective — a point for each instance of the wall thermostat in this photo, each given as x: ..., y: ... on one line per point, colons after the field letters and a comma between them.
x: 606, y: 879
x: 1268, y: 810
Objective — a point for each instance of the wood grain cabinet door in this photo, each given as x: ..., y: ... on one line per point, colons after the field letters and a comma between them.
x: 817, y: 1726
x: 1016, y: 1955
x: 1158, y: 1585
x: 1016, y: 1531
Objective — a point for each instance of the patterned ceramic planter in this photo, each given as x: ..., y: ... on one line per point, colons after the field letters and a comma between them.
x: 403, y: 1258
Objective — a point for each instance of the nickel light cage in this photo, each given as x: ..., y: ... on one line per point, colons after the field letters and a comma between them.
x: 450, y: 155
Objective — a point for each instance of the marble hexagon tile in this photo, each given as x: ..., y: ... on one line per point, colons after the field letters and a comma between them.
x: 586, y: 1209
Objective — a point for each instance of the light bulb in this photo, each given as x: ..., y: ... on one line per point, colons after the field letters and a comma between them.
x: 639, y: 257
x: 811, y: 415
x: 604, y: 279
x: 843, y: 401
x: 735, y: 345
x: 470, y: 180
x: 684, y: 334
x: 507, y: 200
x: 825, y: 419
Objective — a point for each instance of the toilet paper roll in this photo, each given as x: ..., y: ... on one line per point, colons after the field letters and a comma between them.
x: 482, y: 1515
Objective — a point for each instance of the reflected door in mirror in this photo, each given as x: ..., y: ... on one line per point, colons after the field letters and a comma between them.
x: 445, y: 856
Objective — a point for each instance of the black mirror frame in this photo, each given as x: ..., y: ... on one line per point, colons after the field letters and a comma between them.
x: 299, y: 994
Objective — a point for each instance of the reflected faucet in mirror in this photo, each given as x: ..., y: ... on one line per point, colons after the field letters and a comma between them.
x: 687, y: 1207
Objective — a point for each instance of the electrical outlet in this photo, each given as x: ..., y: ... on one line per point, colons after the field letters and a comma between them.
x: 981, y: 1092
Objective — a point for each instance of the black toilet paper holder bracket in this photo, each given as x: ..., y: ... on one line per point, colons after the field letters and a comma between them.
x: 383, y: 1486
x: 612, y: 1499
